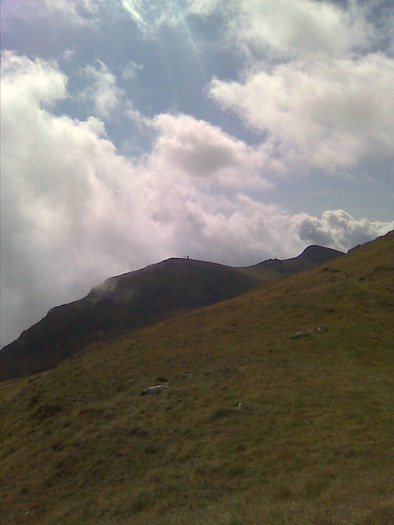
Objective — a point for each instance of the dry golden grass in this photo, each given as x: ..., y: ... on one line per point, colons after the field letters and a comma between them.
x: 310, y: 444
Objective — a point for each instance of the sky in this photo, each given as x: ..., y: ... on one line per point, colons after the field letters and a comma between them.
x: 138, y: 130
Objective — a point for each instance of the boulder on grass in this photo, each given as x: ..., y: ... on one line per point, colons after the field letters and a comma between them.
x: 154, y: 390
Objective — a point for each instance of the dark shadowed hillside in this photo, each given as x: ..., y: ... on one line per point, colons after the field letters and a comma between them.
x: 138, y: 299
x: 278, y: 411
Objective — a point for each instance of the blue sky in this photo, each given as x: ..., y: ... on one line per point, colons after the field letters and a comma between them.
x: 136, y: 130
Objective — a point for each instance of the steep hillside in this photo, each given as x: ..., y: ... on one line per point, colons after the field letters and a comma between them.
x: 278, y: 411
x: 137, y: 299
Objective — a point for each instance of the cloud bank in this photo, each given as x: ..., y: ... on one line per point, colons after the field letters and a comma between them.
x: 325, y: 115
x: 75, y: 211
x: 317, y: 81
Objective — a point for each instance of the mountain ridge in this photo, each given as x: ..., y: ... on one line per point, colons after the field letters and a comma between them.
x: 139, y: 298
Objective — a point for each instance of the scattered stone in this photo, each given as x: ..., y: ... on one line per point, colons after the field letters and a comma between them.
x: 241, y: 408
x: 154, y: 390
x: 313, y: 330
x: 299, y: 334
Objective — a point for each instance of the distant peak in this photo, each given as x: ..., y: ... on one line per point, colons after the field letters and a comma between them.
x: 316, y: 252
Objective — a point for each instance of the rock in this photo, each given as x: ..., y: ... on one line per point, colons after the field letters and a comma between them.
x: 154, y: 390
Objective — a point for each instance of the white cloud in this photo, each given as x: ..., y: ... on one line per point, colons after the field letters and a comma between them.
x: 74, y: 8
x: 204, y: 7
x: 338, y: 229
x: 109, y: 101
x: 206, y: 153
x: 81, y: 12
x: 324, y: 114
x: 103, y: 90
x: 62, y: 190
x: 130, y: 70
x: 313, y: 81
x: 75, y: 212
x: 69, y: 54
x: 150, y: 15
x: 297, y: 29
x: 138, y: 118
x: 36, y: 82
x: 134, y: 8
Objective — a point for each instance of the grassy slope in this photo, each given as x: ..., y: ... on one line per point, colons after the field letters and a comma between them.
x: 311, y: 443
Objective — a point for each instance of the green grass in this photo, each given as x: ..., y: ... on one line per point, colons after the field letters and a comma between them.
x: 311, y: 443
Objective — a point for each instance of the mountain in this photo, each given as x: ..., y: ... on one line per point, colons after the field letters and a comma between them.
x: 278, y: 410
x: 137, y: 299
x: 309, y: 258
